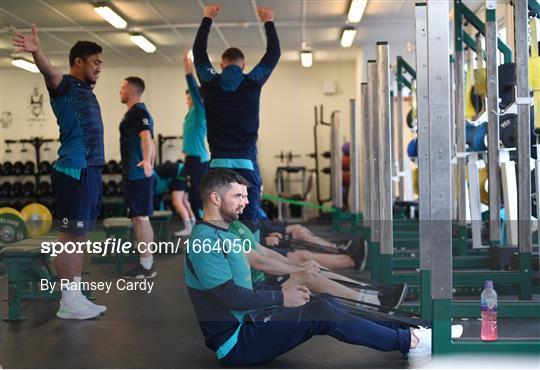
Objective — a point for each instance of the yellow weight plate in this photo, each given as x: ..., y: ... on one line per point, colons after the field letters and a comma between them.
x: 38, y: 219
x: 10, y: 210
x: 484, y: 185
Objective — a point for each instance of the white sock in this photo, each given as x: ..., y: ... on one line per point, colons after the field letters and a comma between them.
x: 78, y: 279
x: 69, y: 295
x: 368, y: 298
x: 147, y: 262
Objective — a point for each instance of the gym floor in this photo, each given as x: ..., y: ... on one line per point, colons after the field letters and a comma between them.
x: 159, y: 330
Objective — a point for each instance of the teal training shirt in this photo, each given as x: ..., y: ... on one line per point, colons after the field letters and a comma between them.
x: 194, y: 130
x: 218, y: 278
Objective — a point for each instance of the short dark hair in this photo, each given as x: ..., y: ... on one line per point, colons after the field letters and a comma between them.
x: 83, y: 49
x: 232, y: 54
x: 137, y: 82
x: 219, y: 180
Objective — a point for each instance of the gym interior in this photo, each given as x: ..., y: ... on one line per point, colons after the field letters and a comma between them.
x: 389, y: 150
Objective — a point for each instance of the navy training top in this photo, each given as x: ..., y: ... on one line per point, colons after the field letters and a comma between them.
x: 231, y: 98
x: 136, y: 120
x: 81, y: 127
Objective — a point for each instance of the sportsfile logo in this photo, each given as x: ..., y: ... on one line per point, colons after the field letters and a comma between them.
x: 110, y: 246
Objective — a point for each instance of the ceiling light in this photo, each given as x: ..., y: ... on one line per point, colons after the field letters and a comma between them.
x: 110, y: 16
x: 24, y: 64
x: 356, y: 11
x: 347, y: 37
x: 143, y: 42
x: 306, y: 58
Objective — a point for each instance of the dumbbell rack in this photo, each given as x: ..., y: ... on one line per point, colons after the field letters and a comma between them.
x: 113, y: 201
x: 35, y: 196
x: 161, y: 141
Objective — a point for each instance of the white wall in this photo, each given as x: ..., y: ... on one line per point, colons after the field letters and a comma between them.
x: 286, y: 109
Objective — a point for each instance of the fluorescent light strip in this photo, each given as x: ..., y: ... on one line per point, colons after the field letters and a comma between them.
x: 110, y: 16
x: 24, y: 64
x: 347, y: 37
x: 306, y: 58
x: 143, y: 43
x: 356, y: 11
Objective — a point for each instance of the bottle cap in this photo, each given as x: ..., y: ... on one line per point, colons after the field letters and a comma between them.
x: 488, y: 284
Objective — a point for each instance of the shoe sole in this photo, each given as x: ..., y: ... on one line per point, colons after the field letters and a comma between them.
x: 64, y: 316
x: 141, y: 277
x: 457, y: 331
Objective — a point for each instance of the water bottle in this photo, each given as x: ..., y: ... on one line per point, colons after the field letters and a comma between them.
x: 488, y: 300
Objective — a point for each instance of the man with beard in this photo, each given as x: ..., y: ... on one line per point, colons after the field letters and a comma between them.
x: 76, y: 177
x: 246, y: 326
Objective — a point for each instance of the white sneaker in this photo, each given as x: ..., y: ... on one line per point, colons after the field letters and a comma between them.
x: 96, y: 307
x: 457, y: 331
x: 183, y: 232
x: 75, y: 309
x: 419, y: 356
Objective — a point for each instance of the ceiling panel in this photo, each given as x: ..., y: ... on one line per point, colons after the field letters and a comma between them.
x: 172, y: 25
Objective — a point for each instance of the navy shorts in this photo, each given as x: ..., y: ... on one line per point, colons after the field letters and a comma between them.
x: 77, y: 201
x: 179, y: 184
x: 139, y: 197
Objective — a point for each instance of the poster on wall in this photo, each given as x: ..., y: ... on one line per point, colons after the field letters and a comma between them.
x: 7, y: 119
x: 36, y: 113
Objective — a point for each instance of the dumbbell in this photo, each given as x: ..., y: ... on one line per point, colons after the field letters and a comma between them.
x: 7, y: 168
x: 327, y: 170
x: 111, y: 187
x: 28, y: 189
x: 112, y: 167
x: 44, y: 188
x: 18, y: 168
x: 17, y: 189
x: 120, y: 188
x: 326, y: 154
x: 29, y: 168
x: 44, y: 167
x: 5, y: 190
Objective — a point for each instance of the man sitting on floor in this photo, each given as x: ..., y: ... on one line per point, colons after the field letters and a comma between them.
x: 286, y: 271
x: 246, y: 326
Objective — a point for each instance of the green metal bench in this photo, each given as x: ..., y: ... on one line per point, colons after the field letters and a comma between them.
x: 117, y: 228
x: 26, y: 266
x: 159, y: 221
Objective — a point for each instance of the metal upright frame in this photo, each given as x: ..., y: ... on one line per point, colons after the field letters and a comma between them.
x: 443, y: 309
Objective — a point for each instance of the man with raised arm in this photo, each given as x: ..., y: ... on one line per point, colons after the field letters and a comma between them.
x: 231, y: 100
x: 76, y: 177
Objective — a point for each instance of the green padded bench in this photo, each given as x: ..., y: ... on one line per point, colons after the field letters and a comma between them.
x: 26, y: 265
x: 160, y: 221
x: 117, y: 228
